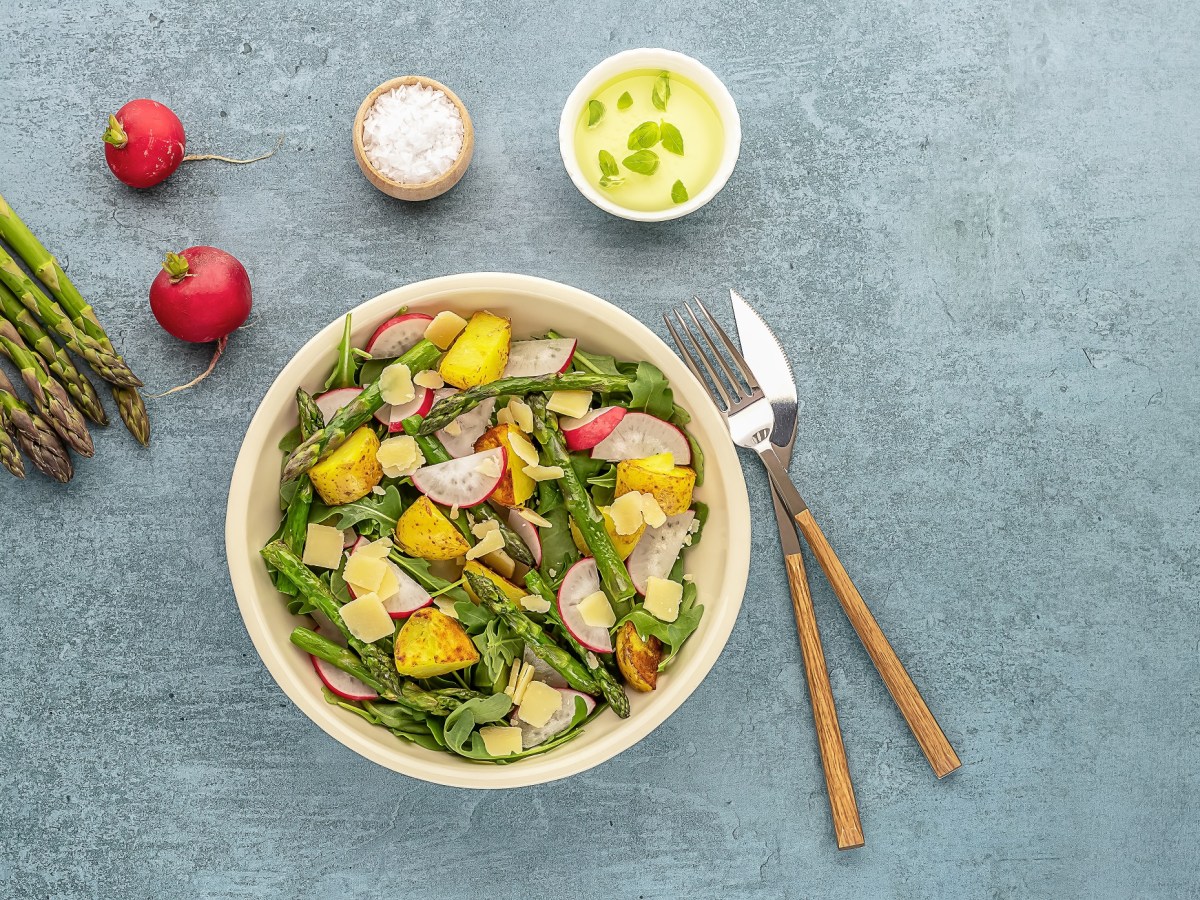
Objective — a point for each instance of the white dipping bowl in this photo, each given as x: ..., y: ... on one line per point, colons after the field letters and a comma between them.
x: 720, y: 563
x: 651, y: 58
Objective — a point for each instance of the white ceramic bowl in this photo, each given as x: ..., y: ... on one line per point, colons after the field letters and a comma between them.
x: 651, y: 58
x: 720, y: 562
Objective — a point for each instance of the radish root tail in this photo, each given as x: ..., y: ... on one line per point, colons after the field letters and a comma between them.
x: 199, y: 378
x: 237, y: 162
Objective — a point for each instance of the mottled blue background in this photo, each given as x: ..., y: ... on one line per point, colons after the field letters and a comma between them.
x: 974, y: 222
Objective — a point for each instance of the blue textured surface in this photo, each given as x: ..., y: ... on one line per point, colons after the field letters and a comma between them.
x: 974, y: 224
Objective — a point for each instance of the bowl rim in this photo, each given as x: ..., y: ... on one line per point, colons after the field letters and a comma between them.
x: 652, y: 57
x: 722, y: 463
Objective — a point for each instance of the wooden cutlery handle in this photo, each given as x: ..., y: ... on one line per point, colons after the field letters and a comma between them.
x: 924, y: 726
x: 846, y: 825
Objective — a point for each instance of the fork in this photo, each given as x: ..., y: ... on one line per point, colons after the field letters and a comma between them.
x: 749, y: 416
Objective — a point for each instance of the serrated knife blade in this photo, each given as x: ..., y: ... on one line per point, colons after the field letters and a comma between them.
x: 770, y: 365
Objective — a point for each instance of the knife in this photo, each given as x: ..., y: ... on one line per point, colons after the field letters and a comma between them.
x: 774, y: 374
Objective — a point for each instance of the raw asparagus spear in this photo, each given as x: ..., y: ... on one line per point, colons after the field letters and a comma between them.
x: 435, y: 452
x: 540, y: 643
x: 613, y: 574
x: 132, y: 408
x: 609, y: 686
x: 106, y: 363
x: 35, y: 437
x: 450, y: 408
x: 56, y: 358
x: 352, y: 416
x: 50, y: 398
x: 10, y: 456
x: 296, y: 528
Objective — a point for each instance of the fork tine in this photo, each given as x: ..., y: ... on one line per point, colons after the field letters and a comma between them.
x: 738, y: 359
x: 720, y: 357
x: 716, y: 381
x: 688, y: 360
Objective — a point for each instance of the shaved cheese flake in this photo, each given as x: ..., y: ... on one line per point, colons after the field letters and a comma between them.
x: 535, y: 603
x: 652, y: 513
x: 453, y: 428
x: 596, y: 611
x: 367, y: 619
x: 389, y: 586
x: 399, y: 456
x: 543, y: 473
x: 396, y: 384
x: 521, y: 446
x: 489, y: 466
x: 323, y: 547
x: 490, y: 543
x: 662, y: 598
x: 539, y: 703
x: 376, y: 549
x: 526, y: 679
x: 504, y: 417
x: 364, y: 573
x: 501, y: 740
x: 626, y: 512
x: 429, y: 378
x: 592, y: 661
x: 481, y: 529
x: 513, y: 675
x: 444, y: 328
x: 521, y: 413
x: 533, y: 518
x: 446, y: 605
x: 574, y: 404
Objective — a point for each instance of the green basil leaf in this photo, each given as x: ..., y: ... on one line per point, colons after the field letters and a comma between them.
x: 608, y: 164
x: 609, y: 181
x: 645, y: 135
x: 595, y: 112
x: 624, y: 101
x: 672, y: 140
x: 662, y: 91
x: 679, y: 193
x: 644, y: 162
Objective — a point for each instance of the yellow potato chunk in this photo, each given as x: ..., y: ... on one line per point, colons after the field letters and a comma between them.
x: 350, y: 471
x: 425, y: 532
x: 431, y: 643
x: 480, y: 353
x: 515, y: 487
x: 637, y: 659
x: 506, y: 587
x: 623, y: 542
x: 672, y: 488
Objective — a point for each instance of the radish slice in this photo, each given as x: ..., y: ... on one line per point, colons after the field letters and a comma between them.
x: 470, y: 425
x: 639, y: 435
x: 528, y: 359
x: 407, y: 600
x: 582, y: 580
x: 345, y: 686
x: 658, y: 549
x: 586, y: 432
x: 528, y: 533
x: 349, y: 538
x: 459, y: 482
x: 531, y: 737
x: 394, y: 416
x: 542, y: 670
x: 331, y: 401
x: 398, y: 335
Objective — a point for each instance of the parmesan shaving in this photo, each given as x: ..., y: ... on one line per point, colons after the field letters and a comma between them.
x: 429, y: 378
x: 396, y: 385
x: 521, y: 447
x: 444, y: 328
x: 493, y: 541
x: 543, y: 473
x: 533, y: 518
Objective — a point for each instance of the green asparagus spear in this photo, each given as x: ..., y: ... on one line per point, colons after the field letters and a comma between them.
x: 50, y: 398
x: 35, y: 437
x: 587, y: 517
x: 104, y: 362
x: 435, y: 452
x: 132, y: 408
x: 351, y: 416
x: 296, y: 528
x: 609, y: 686
x: 56, y: 358
x: 540, y: 643
x: 450, y: 408
x: 10, y: 456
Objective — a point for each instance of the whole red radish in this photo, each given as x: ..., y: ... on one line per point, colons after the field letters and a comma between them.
x: 201, y: 295
x: 144, y: 143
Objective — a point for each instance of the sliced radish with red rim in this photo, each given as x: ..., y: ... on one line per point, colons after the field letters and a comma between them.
x: 658, y: 548
x: 393, y: 416
x: 581, y: 581
x: 528, y: 533
x: 531, y: 736
x: 528, y: 359
x: 331, y: 401
x: 407, y: 600
x: 587, y: 431
x: 639, y: 435
x: 344, y: 685
x: 398, y: 335
x: 463, y: 482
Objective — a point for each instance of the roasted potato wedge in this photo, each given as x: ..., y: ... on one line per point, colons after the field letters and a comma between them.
x: 515, y: 487
x: 507, y: 588
x: 672, y: 487
x: 350, y: 471
x: 424, y: 531
x: 623, y: 542
x: 480, y: 353
x: 637, y: 659
x: 431, y: 643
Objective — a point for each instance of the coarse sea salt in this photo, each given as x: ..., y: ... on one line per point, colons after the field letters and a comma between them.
x: 412, y: 133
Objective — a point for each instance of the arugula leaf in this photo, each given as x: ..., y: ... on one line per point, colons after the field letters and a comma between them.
x: 604, y: 485
x: 478, y: 750
x: 608, y: 164
x: 479, y: 711
x: 651, y: 392
x: 644, y: 162
x: 372, y: 369
x: 595, y: 111
x: 645, y: 135
x: 662, y: 91
x: 290, y: 441
x: 680, y: 419
x: 498, y: 646
x: 559, y: 552
x: 624, y: 101
x: 679, y: 193
x: 372, y: 515
x: 472, y: 618
x: 672, y: 634
x: 594, y: 363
